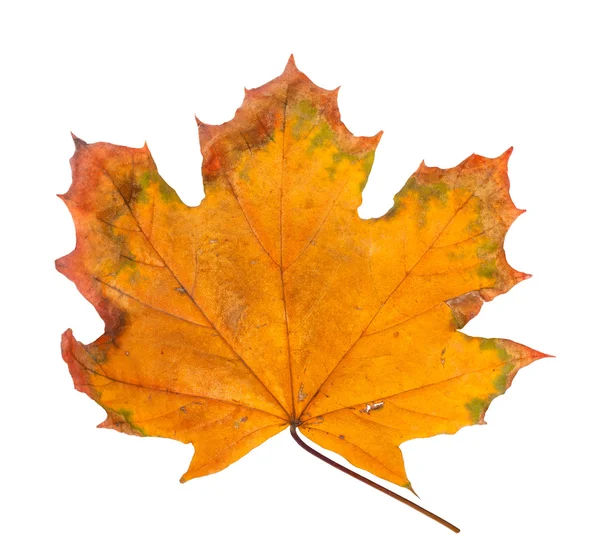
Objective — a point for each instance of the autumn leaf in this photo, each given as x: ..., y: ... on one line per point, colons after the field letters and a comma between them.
x: 273, y: 304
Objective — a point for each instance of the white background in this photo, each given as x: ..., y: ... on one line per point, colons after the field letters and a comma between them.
x: 442, y: 80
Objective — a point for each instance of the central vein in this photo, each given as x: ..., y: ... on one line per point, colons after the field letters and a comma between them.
x: 287, y: 327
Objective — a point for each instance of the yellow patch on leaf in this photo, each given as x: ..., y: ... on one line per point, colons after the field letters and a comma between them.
x: 273, y: 304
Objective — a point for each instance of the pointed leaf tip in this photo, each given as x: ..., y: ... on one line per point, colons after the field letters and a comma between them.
x: 204, y: 126
x: 412, y: 490
x: 518, y: 276
x: 504, y: 157
x: 79, y: 143
x: 291, y: 66
x: 205, y: 131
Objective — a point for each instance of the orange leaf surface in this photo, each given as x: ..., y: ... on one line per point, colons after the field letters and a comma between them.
x: 273, y: 303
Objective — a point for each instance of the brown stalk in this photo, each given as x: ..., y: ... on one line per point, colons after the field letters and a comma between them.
x: 375, y: 485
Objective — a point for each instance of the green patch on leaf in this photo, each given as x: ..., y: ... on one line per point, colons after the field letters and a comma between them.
x: 400, y: 201
x: 495, y: 344
x: 127, y: 417
x: 166, y: 193
x: 426, y: 195
x: 305, y: 112
x: 367, y: 164
x: 487, y: 248
x: 476, y: 408
x: 503, y: 377
x: 243, y: 174
x: 324, y: 135
x: 487, y: 270
x: 146, y: 181
x: 127, y: 263
x: 435, y: 191
x: 97, y: 354
x: 143, y: 185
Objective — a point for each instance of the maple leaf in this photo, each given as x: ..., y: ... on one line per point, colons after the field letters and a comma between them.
x: 273, y: 304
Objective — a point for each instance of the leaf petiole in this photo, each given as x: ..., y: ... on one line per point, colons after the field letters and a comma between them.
x: 370, y: 482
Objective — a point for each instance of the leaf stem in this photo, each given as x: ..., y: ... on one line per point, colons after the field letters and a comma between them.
x: 364, y: 480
